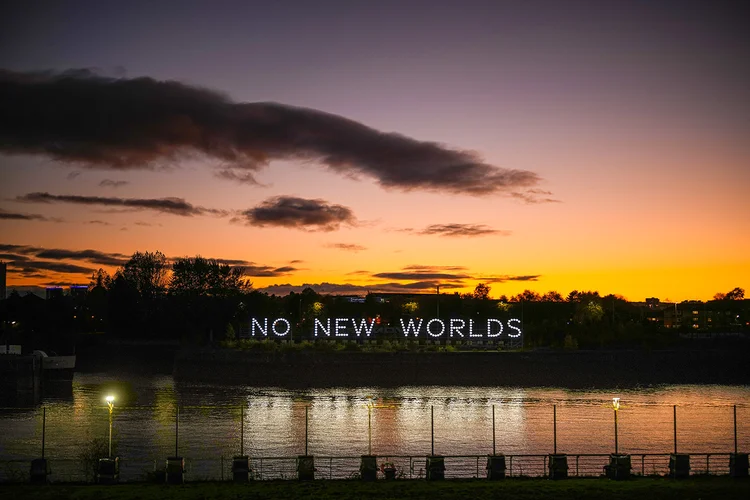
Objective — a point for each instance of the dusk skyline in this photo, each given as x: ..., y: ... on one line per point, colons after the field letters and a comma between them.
x: 357, y: 146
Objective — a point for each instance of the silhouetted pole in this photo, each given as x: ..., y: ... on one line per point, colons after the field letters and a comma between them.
x: 432, y: 428
x: 438, y: 301
x: 176, y: 430
x: 44, y: 425
x: 674, y: 411
x: 242, y: 430
x: 615, y: 431
x: 369, y: 429
x: 493, y: 429
x: 306, y: 430
x: 110, y: 431
x: 735, y: 432
x: 554, y: 428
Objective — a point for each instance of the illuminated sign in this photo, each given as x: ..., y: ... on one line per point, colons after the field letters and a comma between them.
x: 351, y: 328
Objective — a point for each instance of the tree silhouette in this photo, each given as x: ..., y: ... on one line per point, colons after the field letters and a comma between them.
x: 552, y: 296
x: 735, y: 294
x: 481, y: 291
x: 147, y: 273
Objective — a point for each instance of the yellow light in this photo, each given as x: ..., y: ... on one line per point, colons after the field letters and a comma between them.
x: 616, y: 403
x: 109, y: 399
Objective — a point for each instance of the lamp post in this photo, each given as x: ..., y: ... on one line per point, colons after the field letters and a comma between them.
x: 615, y: 407
x: 111, y: 404
x: 619, y: 465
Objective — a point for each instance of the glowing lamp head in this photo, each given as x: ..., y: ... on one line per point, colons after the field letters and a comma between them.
x: 109, y: 399
x: 616, y: 403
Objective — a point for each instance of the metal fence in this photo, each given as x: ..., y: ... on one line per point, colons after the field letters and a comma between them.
x: 347, y: 467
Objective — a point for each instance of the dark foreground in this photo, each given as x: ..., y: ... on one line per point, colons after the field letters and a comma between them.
x: 641, y: 488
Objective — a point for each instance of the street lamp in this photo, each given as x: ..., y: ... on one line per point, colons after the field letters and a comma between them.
x: 615, y: 407
x: 111, y: 404
x: 619, y: 465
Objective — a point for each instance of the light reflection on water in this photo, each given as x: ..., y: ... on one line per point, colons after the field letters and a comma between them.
x: 274, y: 424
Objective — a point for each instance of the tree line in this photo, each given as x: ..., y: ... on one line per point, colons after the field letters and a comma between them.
x: 201, y: 300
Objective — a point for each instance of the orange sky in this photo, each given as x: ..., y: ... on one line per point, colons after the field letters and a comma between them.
x: 633, y: 122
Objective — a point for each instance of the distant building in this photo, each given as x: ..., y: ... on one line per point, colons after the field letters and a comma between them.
x: 690, y: 314
x: 3, y: 274
x: 78, y: 291
x: 54, y: 292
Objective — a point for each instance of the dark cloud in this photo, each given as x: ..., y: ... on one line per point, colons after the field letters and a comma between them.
x: 267, y: 271
x: 420, y: 275
x: 73, y: 175
x: 234, y: 262
x: 252, y: 269
x: 424, y: 268
x: 447, y: 276
x: 504, y: 278
x: 118, y: 123
x: 25, y: 249
x: 299, y: 213
x: 99, y: 222
x: 30, y: 273
x: 174, y: 206
x: 534, y: 196
x: 238, y: 176
x: 40, y: 265
x: 20, y: 216
x: 349, y: 247
x: 12, y: 256
x: 460, y: 230
x: 112, y: 184
x: 26, y: 261
x: 351, y: 289
x: 94, y: 256
x: 358, y: 272
x: 285, y: 269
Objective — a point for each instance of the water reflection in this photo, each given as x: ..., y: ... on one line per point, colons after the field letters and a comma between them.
x: 274, y: 420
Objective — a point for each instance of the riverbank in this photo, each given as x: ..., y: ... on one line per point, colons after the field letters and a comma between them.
x: 693, y: 488
x: 575, y: 369
x: 97, y: 354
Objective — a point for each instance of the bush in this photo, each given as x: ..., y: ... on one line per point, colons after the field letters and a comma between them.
x: 570, y: 343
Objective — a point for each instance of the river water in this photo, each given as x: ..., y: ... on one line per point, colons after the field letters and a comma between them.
x: 212, y: 419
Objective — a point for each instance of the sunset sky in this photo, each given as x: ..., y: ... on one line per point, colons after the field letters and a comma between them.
x: 382, y: 146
